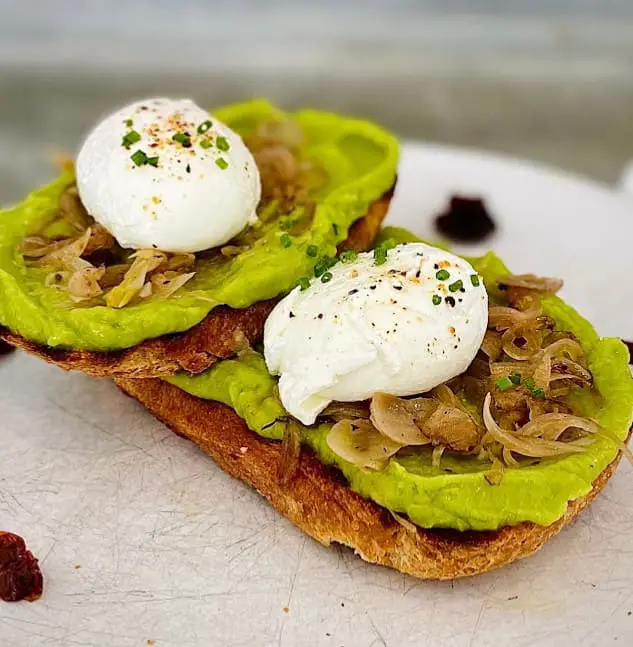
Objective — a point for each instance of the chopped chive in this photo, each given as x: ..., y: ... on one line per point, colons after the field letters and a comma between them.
x: 437, y: 299
x: 153, y: 161
x: 327, y: 277
x: 538, y: 393
x: 183, y: 139
x: 380, y: 255
x: 323, y: 265
x: 530, y: 384
x: 285, y: 225
x: 335, y: 228
x: 474, y: 279
x: 139, y: 158
x: 129, y: 123
x: 454, y: 287
x: 204, y: 126
x: 312, y: 251
x: 515, y: 379
x: 442, y: 275
x: 222, y: 143
x: 205, y: 143
x: 503, y: 383
x: 222, y: 163
x: 130, y: 138
x: 285, y: 241
x: 390, y: 243
x: 348, y: 255
x: 303, y: 283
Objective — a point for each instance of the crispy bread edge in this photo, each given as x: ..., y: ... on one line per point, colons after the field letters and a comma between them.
x: 318, y: 500
x: 196, y: 349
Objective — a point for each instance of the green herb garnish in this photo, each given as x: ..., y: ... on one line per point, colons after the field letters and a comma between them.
x: 204, y: 126
x: 285, y: 240
x: 515, y: 379
x: 312, y: 251
x: 323, y: 265
x: 206, y: 143
x: 348, y: 256
x: 182, y: 138
x: 327, y: 277
x: 130, y: 138
x: 454, y: 287
x: 442, y: 275
x: 129, y: 123
x: 503, y: 383
x: 222, y: 163
x: 474, y: 279
x: 222, y: 143
x: 153, y: 161
x: 530, y: 384
x: 437, y: 299
x: 538, y: 393
x: 380, y: 255
x: 303, y: 283
x: 335, y: 228
x: 139, y: 158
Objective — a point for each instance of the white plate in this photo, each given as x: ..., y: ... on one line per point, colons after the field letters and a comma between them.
x: 173, y: 550
x: 549, y: 222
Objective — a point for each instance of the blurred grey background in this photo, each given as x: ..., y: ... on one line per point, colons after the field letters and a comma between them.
x: 547, y: 80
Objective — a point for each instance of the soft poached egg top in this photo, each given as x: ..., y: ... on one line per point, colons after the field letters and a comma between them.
x: 165, y: 173
x: 401, y: 327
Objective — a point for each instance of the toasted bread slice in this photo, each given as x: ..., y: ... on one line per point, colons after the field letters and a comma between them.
x: 196, y: 349
x: 318, y: 500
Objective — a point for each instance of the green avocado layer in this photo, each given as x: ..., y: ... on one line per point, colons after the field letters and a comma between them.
x: 359, y: 160
x: 463, y: 499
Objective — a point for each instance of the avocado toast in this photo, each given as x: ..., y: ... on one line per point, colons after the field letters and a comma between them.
x: 438, y: 510
x: 351, y: 166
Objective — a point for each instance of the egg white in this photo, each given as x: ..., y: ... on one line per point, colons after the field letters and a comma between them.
x: 376, y: 328
x: 187, y: 202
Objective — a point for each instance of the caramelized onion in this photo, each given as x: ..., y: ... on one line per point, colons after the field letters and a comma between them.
x: 550, y: 426
x: 404, y: 522
x: 436, y: 456
x: 452, y: 428
x: 395, y: 418
x: 38, y: 246
x: 68, y: 256
x: 532, y: 282
x: 144, y: 261
x: 502, y: 317
x: 73, y: 211
x: 346, y: 410
x: 360, y: 443
x: 290, y: 452
x: 57, y: 279
x: 523, y: 445
x: 492, y: 345
x: 84, y: 284
x: 100, y: 239
x: 566, y: 347
x: 531, y: 341
x: 113, y: 275
x: 166, y: 283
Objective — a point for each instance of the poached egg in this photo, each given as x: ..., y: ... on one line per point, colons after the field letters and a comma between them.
x: 165, y: 173
x: 401, y: 327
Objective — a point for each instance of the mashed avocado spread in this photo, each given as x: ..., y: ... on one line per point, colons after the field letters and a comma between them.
x: 359, y: 160
x: 456, y: 495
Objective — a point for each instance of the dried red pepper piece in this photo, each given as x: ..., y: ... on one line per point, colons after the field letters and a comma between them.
x: 20, y: 575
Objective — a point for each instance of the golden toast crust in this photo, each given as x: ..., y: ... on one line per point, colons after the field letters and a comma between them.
x: 318, y: 500
x: 198, y: 348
